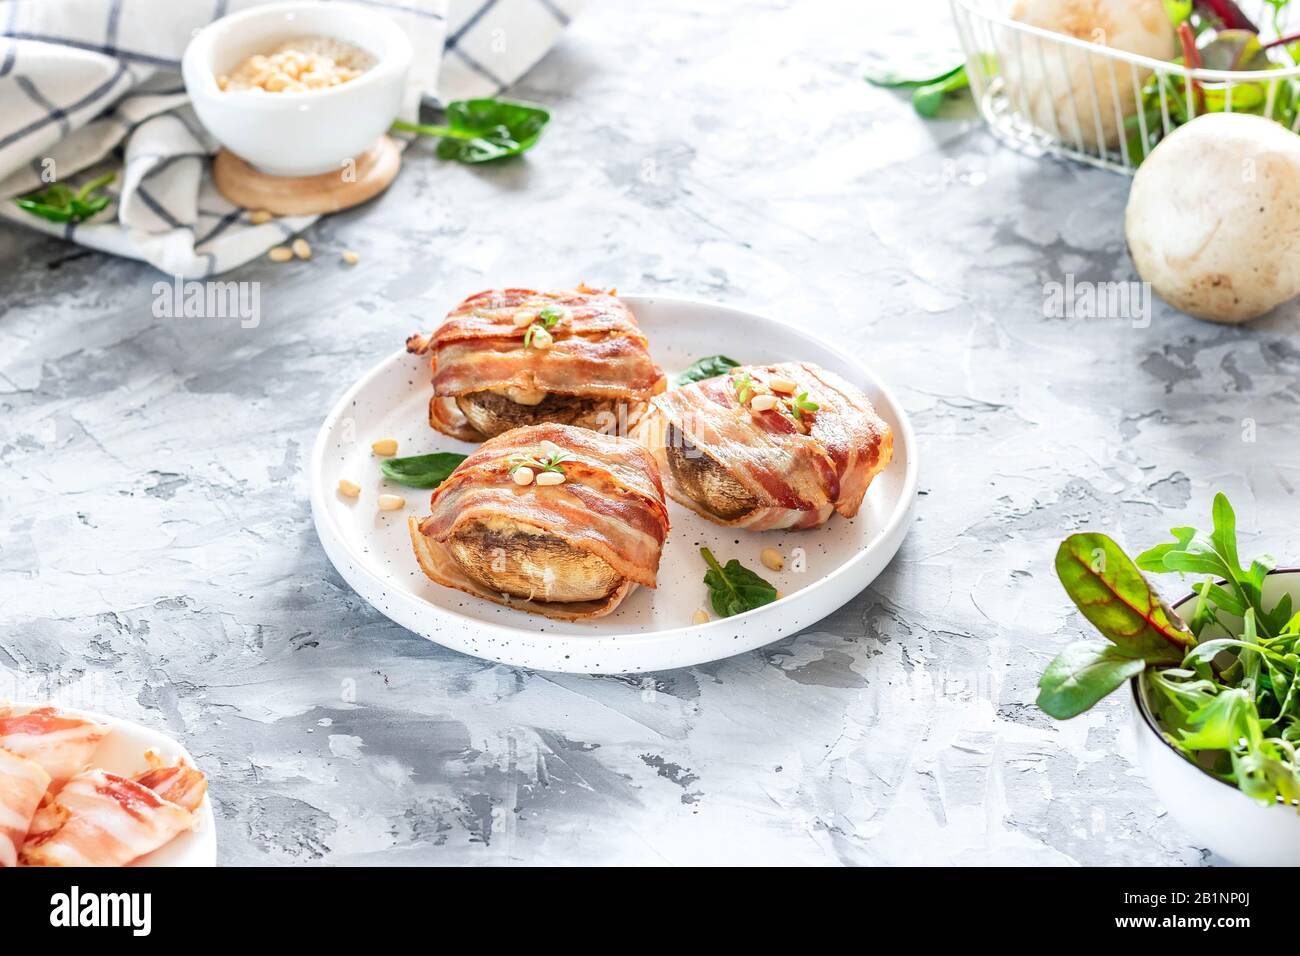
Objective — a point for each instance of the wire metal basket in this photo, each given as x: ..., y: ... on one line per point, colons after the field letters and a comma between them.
x: 1052, y: 93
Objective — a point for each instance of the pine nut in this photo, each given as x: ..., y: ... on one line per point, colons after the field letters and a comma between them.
x: 771, y: 558
x: 350, y: 257
x: 762, y: 403
x: 549, y: 449
x: 349, y: 489
x: 542, y: 339
x: 385, y: 447
x: 701, y: 616
x: 259, y: 216
x: 280, y: 254
x: 301, y: 249
x: 523, y: 475
x: 391, y: 502
x: 523, y: 320
x: 782, y: 385
x: 550, y: 478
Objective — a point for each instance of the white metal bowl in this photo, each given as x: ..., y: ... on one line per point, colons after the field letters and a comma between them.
x: 298, y: 134
x: 1067, y: 120
x: 1215, y: 813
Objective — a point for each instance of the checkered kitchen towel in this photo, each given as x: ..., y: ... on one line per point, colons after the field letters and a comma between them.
x: 88, y: 86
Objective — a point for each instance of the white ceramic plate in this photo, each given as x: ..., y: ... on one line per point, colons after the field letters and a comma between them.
x: 651, y: 629
x: 122, y: 753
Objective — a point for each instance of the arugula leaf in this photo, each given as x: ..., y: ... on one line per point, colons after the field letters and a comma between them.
x: 1083, y: 674
x: 484, y: 130
x: 1216, y: 554
x: 1112, y: 594
x: 734, y: 589
x: 710, y: 367
x: 421, y: 471
x: 58, y: 203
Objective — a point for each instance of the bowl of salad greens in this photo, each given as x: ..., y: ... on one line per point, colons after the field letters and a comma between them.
x: 1212, y: 680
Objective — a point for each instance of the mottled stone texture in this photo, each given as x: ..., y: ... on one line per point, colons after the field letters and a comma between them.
x: 157, y: 558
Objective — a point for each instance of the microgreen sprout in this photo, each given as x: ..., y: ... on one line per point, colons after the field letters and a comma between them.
x: 540, y: 462
x: 744, y: 387
x: 546, y: 319
x: 799, y: 404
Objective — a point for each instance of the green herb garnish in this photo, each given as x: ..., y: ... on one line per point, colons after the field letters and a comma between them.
x: 480, y: 131
x: 58, y: 203
x: 798, y: 404
x: 421, y: 471
x: 734, y: 589
x: 1222, y: 686
x: 705, y: 368
x: 546, y: 319
x: 743, y: 386
x: 539, y: 463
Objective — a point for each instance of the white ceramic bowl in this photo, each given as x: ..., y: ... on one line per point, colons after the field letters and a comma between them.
x: 1215, y: 813
x: 298, y: 134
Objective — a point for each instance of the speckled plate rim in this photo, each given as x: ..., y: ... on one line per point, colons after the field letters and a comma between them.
x: 632, y: 652
x: 196, y: 848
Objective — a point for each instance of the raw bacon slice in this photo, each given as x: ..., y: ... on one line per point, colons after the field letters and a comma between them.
x: 179, y: 783
x: 59, y: 742
x: 598, y: 352
x: 22, y: 786
x: 610, y: 506
x: 774, y: 468
x: 110, y: 821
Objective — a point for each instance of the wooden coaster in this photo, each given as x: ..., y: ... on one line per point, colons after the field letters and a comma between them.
x: 251, y: 188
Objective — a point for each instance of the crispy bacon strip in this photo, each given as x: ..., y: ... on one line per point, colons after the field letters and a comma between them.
x: 61, y: 743
x: 598, y: 351
x: 109, y: 821
x: 611, y: 505
x: 22, y: 786
x: 799, y: 470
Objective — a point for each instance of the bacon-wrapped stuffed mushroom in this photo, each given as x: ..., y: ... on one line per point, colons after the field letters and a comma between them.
x: 550, y: 519
x: 513, y: 357
x: 768, y: 446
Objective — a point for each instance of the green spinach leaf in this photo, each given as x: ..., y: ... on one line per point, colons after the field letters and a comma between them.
x: 1083, y: 674
x: 59, y: 203
x: 421, y: 471
x: 734, y: 589
x: 928, y: 99
x: 484, y: 130
x: 710, y: 367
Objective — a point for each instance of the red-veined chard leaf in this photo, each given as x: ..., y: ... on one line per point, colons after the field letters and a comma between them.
x: 1114, y: 596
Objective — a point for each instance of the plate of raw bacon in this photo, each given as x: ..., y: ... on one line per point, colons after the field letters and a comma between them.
x: 809, y: 489
x: 82, y: 789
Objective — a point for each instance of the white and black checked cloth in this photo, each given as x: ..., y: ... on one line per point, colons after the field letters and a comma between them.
x: 88, y: 86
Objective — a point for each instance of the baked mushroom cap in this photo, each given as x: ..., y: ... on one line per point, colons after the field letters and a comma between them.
x: 527, y: 562
x: 704, y: 480
x: 492, y: 413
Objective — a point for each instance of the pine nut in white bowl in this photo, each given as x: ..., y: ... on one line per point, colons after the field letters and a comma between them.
x: 1214, y: 812
x: 304, y: 133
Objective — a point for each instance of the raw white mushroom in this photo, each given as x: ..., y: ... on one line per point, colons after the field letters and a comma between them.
x: 1059, y: 94
x: 1213, y: 220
